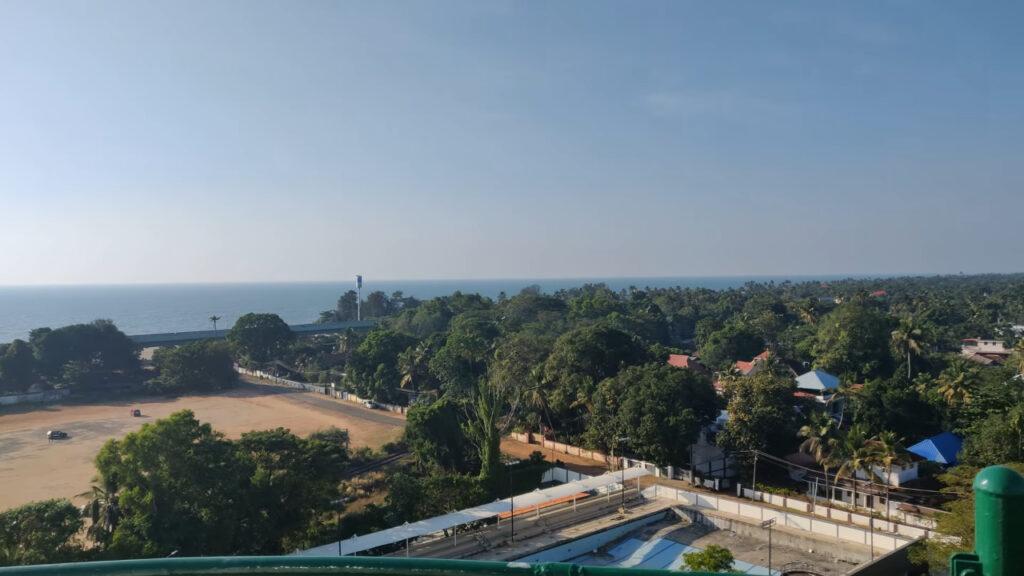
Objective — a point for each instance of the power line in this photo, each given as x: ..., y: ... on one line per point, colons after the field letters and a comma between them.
x: 787, y: 464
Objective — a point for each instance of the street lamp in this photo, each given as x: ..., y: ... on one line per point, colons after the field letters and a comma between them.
x: 768, y: 524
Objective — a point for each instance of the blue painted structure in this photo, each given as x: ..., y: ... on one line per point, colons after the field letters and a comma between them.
x: 942, y: 448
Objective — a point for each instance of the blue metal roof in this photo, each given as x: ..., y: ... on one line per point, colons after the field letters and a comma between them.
x: 817, y: 380
x: 941, y: 448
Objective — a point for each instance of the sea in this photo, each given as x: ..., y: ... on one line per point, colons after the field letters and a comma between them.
x: 157, y: 308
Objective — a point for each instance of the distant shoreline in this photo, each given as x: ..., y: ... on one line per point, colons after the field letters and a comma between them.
x: 159, y: 308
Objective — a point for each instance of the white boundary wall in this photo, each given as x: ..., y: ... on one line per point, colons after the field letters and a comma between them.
x: 883, y: 537
x: 318, y: 388
x: 914, y: 525
x: 34, y: 397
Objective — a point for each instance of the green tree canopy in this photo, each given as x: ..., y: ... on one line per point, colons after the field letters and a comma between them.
x: 203, y: 365
x: 40, y: 533
x: 83, y: 353
x: 579, y: 360
x: 260, y: 337
x: 853, y: 341
x: 181, y: 486
x: 735, y: 341
x: 761, y: 414
x: 373, y: 369
x: 17, y: 367
x: 660, y: 408
x: 463, y: 359
x: 436, y: 437
x: 714, y: 558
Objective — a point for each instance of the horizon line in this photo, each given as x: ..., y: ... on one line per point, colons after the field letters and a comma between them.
x: 808, y: 276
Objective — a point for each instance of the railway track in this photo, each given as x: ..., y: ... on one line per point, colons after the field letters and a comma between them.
x: 374, y: 465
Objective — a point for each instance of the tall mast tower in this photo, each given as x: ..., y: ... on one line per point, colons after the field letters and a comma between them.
x: 359, y: 297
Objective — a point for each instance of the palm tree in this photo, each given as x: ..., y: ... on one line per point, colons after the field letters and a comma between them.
x: 955, y: 383
x: 1018, y: 354
x: 102, y: 510
x: 412, y: 364
x: 842, y: 397
x: 820, y: 437
x: 889, y: 451
x: 854, y: 452
x: 214, y: 319
x: 908, y: 339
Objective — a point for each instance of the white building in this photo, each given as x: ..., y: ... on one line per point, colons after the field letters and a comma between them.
x: 970, y: 346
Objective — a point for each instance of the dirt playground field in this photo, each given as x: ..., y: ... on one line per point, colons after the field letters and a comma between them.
x: 33, y: 469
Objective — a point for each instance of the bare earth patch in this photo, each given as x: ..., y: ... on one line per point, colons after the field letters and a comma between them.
x: 31, y: 468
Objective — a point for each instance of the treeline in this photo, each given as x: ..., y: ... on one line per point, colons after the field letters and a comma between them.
x: 80, y: 356
x: 376, y: 305
x: 89, y: 358
x: 179, y: 487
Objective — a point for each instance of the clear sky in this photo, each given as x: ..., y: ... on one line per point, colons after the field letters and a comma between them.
x: 181, y: 141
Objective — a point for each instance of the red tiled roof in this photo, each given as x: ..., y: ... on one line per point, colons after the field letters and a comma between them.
x: 744, y: 367
x: 679, y: 360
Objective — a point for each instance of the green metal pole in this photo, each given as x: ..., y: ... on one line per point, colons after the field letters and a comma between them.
x: 999, y: 521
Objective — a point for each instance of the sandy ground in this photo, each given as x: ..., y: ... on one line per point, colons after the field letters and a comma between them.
x: 522, y: 451
x: 31, y: 468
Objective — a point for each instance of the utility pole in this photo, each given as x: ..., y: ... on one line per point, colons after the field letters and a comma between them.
x: 359, y: 297
x: 339, y: 503
x: 768, y: 524
x: 753, y: 489
x: 622, y: 465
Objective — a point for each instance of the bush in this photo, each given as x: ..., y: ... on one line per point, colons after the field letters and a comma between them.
x: 714, y: 558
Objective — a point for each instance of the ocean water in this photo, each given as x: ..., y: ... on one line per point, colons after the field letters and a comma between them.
x: 149, y: 308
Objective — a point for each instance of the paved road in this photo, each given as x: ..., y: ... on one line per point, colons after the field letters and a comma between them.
x: 324, y: 402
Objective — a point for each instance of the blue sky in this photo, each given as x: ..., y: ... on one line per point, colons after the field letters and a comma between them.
x: 233, y: 141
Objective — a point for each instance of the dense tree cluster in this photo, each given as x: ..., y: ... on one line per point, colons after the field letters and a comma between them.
x: 178, y: 485
x: 203, y: 366
x: 80, y: 356
x: 586, y: 364
x: 40, y: 532
x: 376, y: 305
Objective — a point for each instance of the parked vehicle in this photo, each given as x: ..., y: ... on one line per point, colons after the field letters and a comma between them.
x: 136, y: 412
x: 56, y: 435
x: 369, y: 404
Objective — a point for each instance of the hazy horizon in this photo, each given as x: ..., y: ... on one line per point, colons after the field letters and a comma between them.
x: 370, y: 281
x: 255, y: 141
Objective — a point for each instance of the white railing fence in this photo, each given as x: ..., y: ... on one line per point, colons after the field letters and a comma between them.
x: 319, y: 389
x: 712, y: 475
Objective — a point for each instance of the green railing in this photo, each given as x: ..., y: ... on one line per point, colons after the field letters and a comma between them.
x: 325, y: 565
x: 999, y: 551
x: 998, y: 526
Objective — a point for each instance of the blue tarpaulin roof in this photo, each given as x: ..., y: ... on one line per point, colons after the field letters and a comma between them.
x: 941, y: 448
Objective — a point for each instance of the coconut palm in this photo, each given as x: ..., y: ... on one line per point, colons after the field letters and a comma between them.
x: 413, y: 365
x: 214, y: 319
x: 841, y: 397
x: 888, y: 452
x: 1018, y: 355
x: 102, y: 510
x: 909, y: 339
x: 855, y: 454
x: 955, y: 383
x: 820, y: 436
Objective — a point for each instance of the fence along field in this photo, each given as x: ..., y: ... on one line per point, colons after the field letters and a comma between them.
x: 31, y: 468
